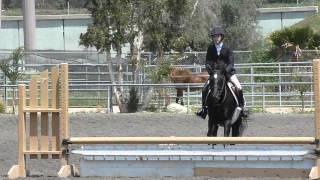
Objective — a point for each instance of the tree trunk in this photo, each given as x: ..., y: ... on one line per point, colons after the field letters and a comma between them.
x: 147, y: 98
x: 122, y: 105
x: 13, y: 100
x: 136, y: 55
x: 302, y: 100
x: 112, y: 78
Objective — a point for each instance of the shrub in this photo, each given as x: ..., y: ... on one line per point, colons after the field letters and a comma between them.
x: 2, y: 108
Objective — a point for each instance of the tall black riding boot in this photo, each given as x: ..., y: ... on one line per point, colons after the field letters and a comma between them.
x: 244, y: 112
x: 204, y: 111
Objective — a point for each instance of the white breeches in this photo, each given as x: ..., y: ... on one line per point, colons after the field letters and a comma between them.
x: 236, y: 82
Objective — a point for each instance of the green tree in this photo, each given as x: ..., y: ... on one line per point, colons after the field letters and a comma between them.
x: 12, y: 69
x: 164, y: 25
x: 296, y: 36
x: 109, y: 29
x: 239, y: 21
x: 163, y: 29
x: 199, y: 22
x: 288, y: 39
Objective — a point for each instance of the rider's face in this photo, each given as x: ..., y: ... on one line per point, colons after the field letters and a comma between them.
x: 217, y: 38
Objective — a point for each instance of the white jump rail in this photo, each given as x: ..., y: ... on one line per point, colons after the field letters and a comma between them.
x: 179, y: 160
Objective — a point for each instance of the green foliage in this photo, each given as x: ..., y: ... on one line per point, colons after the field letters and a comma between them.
x: 169, y: 24
x: 304, y: 37
x: 314, y: 43
x: 298, y: 76
x: 201, y: 18
x: 152, y: 108
x: 12, y: 67
x: 110, y: 24
x: 164, y: 24
x: 2, y: 109
x: 133, y: 102
x: 239, y: 21
x: 262, y: 55
x: 161, y: 73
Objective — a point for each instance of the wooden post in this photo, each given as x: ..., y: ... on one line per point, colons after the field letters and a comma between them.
x: 66, y: 169
x: 33, y: 103
x: 19, y: 169
x: 44, y: 138
x: 315, y: 171
x: 55, y: 124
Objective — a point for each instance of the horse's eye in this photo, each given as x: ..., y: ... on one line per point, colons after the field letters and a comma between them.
x: 215, y: 76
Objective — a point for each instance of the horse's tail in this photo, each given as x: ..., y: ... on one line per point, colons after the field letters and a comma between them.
x: 243, y: 125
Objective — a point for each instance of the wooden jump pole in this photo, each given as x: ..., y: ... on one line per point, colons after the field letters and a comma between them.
x: 190, y: 140
x: 19, y: 169
x: 66, y: 168
x: 315, y: 171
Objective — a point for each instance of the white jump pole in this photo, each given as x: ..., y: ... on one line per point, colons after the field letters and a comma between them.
x: 190, y: 140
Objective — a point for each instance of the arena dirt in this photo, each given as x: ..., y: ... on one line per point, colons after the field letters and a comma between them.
x: 144, y: 124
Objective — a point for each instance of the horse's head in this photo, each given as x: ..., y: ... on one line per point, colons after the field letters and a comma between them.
x: 217, y: 81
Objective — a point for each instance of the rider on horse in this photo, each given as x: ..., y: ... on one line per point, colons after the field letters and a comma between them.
x: 219, y: 51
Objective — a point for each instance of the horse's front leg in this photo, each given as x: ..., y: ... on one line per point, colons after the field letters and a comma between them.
x: 214, y: 132
x: 210, y: 126
x: 236, y: 128
x: 227, y: 128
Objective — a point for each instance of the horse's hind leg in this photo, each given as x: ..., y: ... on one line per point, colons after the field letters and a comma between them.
x: 179, y: 96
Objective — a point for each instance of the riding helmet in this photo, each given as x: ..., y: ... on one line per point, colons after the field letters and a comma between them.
x: 216, y: 31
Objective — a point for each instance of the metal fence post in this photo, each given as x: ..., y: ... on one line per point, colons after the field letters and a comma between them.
x: 5, y: 94
x: 263, y: 99
x: 252, y: 87
x: 188, y: 103
x: 280, y: 88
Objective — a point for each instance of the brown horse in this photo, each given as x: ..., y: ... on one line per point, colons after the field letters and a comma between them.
x: 181, y: 75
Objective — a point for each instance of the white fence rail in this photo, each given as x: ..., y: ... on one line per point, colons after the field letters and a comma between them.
x: 266, y: 85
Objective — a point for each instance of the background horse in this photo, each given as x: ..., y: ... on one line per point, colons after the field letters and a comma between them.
x: 221, y: 104
x: 179, y: 75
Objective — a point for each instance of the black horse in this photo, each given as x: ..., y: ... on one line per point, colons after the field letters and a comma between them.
x: 221, y: 104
